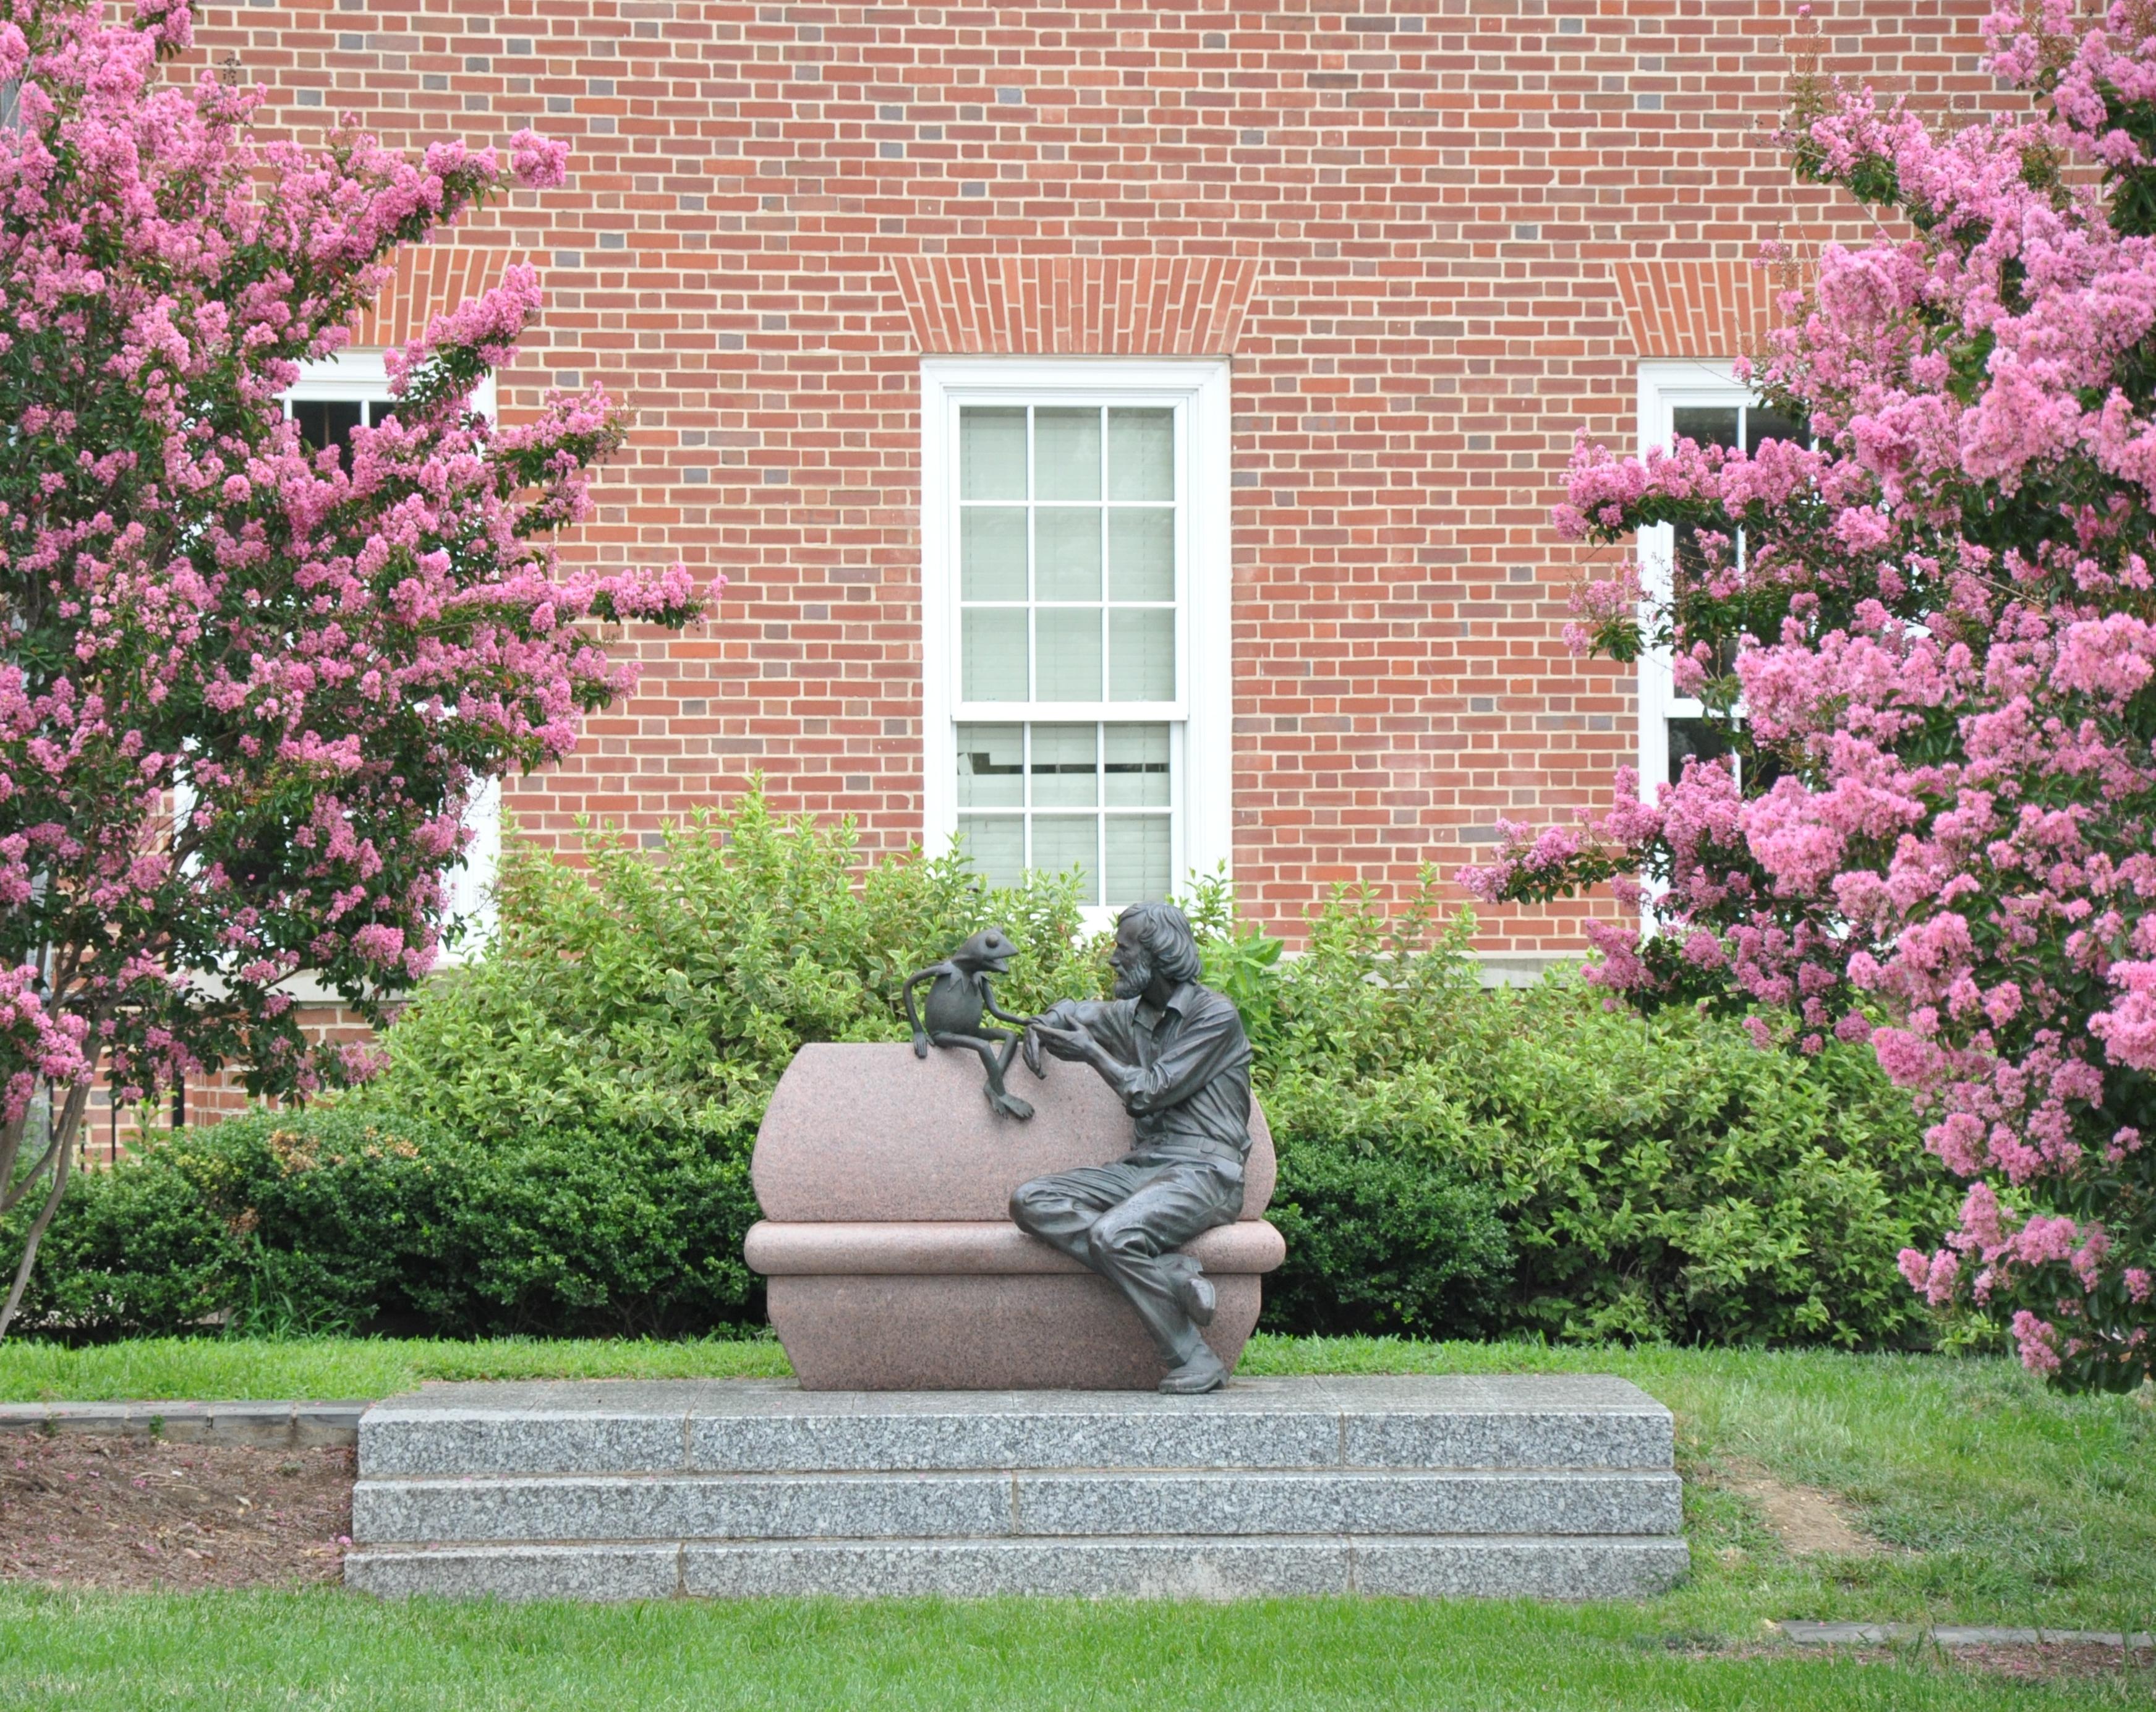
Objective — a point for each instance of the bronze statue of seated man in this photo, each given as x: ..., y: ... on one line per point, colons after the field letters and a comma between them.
x: 1176, y: 1055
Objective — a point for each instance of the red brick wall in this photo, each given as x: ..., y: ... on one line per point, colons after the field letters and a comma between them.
x: 1433, y: 237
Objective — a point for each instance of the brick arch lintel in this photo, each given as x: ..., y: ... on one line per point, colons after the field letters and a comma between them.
x: 1167, y: 305
x: 1700, y: 308
x: 429, y: 280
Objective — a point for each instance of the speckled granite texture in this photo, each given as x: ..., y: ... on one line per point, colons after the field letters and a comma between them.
x: 867, y: 1132
x: 773, y: 1426
x: 1546, y: 1486
x: 965, y: 1332
x: 1096, y: 1569
x: 922, y: 1248
x: 886, y: 1183
x: 646, y: 1507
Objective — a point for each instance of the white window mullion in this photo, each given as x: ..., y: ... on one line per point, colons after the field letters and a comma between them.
x: 1025, y: 790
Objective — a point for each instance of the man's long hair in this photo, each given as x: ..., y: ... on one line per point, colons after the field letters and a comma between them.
x: 1165, y: 932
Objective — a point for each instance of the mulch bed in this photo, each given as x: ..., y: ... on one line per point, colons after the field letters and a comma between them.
x: 141, y: 1514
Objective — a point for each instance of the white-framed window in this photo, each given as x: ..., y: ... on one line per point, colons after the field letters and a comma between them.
x: 1076, y: 619
x: 330, y: 399
x: 1704, y: 402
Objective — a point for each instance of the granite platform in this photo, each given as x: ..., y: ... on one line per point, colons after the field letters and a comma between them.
x: 1549, y: 1486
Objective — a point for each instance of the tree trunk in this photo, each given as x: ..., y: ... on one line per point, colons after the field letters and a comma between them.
x: 66, y: 1129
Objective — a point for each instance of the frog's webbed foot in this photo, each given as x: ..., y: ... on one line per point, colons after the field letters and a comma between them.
x: 1009, y: 1103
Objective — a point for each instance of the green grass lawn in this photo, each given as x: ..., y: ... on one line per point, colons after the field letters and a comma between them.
x: 324, y: 1650
x: 331, y: 1367
x: 1999, y: 1503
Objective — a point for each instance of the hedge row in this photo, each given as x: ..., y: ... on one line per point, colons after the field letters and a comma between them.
x: 561, y: 1141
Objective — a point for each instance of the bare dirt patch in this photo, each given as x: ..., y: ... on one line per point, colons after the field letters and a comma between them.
x: 2048, y: 1659
x: 1807, y: 1520
x: 139, y: 1513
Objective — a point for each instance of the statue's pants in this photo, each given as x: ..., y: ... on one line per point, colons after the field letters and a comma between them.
x: 1120, y: 1219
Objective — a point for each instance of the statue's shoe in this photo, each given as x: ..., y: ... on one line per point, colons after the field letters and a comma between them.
x: 1201, y: 1372
x: 1193, y: 1290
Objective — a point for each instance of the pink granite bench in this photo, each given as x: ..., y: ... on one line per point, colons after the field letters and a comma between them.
x: 886, y: 1244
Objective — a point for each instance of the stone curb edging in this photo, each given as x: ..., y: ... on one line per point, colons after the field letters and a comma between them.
x: 288, y: 1423
x: 1873, y: 1634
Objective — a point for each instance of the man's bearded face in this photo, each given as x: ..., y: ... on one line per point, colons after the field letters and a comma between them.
x: 1133, y: 964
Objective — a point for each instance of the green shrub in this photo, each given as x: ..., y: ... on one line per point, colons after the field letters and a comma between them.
x: 1660, y: 1177
x: 314, y: 1221
x: 134, y: 1250
x: 1384, y: 1233
x: 559, y: 1142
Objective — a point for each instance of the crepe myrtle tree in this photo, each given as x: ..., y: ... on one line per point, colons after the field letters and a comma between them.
x: 1930, y: 633
x: 247, y: 691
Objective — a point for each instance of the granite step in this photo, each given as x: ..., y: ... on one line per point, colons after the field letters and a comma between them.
x: 772, y: 1427
x: 1196, y: 1567
x: 1029, y: 1503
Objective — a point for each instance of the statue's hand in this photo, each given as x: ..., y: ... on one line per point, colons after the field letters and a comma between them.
x: 920, y: 1043
x: 1032, y: 1050
x: 1073, y: 1043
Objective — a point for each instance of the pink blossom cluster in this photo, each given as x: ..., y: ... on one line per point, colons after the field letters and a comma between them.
x: 1943, y: 629
x: 1611, y: 608
x: 248, y: 691
x: 40, y: 1044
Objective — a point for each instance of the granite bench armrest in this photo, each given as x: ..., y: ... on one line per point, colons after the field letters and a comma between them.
x: 948, y: 1248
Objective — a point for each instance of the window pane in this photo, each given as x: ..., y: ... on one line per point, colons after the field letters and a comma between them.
x: 329, y: 422
x: 1764, y: 425
x: 992, y: 553
x: 1069, y: 653
x: 991, y: 766
x: 1141, y: 554
x: 1138, y: 847
x: 1142, y: 455
x: 1708, y: 425
x: 1136, y: 770
x: 991, y: 648
x: 991, y: 453
x: 1066, y: 767
x: 1140, y: 654
x: 1069, y: 541
x: 1689, y: 556
x: 1067, y: 454
x: 1062, y: 842
x: 1700, y: 739
x: 996, y: 844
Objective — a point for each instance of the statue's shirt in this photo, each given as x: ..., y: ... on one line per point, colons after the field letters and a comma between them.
x: 1183, y: 1071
